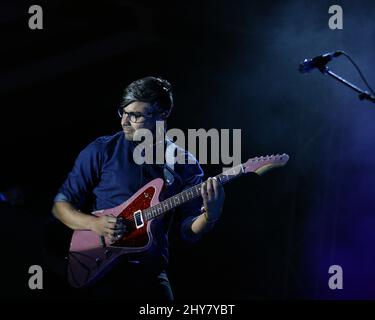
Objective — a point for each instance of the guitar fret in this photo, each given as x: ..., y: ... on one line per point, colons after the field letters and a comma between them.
x: 195, y: 191
x: 176, y: 201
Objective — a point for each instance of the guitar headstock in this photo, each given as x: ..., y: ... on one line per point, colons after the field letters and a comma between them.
x: 260, y: 165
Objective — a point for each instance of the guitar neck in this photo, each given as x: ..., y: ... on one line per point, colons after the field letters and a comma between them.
x: 189, y: 194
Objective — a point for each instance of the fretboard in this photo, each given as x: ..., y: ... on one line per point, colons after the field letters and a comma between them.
x: 188, y: 194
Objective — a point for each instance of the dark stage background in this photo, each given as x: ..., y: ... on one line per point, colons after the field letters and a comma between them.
x: 233, y: 64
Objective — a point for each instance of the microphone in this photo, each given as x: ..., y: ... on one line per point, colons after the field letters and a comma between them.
x: 318, y: 62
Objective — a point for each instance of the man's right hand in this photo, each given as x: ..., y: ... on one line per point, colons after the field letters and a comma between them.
x: 108, y: 226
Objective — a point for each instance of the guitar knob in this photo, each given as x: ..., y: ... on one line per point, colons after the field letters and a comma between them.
x: 108, y: 253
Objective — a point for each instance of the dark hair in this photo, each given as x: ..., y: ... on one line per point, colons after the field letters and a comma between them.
x: 153, y: 90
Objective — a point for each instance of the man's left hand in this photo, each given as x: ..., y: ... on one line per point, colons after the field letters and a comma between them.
x: 213, y: 198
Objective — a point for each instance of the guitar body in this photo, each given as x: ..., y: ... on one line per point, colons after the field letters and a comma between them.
x: 90, y: 256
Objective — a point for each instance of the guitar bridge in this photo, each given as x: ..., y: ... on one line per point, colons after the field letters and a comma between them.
x: 138, y: 219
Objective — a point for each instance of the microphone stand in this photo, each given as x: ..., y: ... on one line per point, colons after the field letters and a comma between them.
x: 363, y: 95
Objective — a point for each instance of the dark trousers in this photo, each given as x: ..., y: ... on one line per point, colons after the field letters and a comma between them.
x: 133, y: 282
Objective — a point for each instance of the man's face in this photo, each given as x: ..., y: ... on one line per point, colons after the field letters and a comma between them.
x: 137, y: 108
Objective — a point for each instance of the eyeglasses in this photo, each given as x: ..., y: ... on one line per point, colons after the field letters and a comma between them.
x: 135, y: 117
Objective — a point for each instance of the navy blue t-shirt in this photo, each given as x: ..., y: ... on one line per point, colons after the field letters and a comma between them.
x: 105, y: 175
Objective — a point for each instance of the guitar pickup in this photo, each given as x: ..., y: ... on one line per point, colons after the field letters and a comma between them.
x: 138, y: 219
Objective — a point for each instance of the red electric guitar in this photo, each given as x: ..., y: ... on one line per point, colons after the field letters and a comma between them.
x: 90, y: 256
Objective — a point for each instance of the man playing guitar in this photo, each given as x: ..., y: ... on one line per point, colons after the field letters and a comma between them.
x: 105, y: 175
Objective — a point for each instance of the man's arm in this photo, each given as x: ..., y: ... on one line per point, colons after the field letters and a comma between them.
x: 106, y: 226
x: 200, y: 225
x: 213, y: 198
x: 79, y: 184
